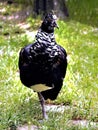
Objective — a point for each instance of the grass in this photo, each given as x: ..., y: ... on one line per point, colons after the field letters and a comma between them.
x: 79, y: 36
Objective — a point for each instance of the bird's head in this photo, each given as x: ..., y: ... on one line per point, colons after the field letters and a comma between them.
x: 49, y: 23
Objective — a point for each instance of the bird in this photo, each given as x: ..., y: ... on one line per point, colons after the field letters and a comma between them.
x: 43, y: 64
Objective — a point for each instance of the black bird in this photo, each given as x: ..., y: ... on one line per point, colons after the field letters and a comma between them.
x: 43, y: 64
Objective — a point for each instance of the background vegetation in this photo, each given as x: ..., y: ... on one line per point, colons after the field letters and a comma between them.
x: 79, y: 36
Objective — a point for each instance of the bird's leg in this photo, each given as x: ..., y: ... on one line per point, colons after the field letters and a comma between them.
x: 42, y: 102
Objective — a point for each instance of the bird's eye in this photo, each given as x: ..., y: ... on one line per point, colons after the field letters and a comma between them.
x: 54, y: 17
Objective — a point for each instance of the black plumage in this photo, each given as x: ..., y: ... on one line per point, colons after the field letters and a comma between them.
x: 44, y: 62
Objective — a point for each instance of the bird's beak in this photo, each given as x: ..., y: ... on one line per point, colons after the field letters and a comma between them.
x: 55, y: 25
x: 55, y: 21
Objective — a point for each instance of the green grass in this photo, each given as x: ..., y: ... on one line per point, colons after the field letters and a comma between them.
x: 19, y: 105
x: 83, y: 11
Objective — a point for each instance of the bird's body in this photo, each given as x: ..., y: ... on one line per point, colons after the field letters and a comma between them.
x: 43, y: 64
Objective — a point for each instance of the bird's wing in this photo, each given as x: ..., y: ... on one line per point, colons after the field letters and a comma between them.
x: 57, y: 58
x: 24, y: 56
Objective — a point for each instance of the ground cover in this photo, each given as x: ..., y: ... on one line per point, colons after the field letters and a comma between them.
x: 19, y: 105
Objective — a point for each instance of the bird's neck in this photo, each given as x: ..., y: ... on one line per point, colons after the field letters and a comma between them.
x: 45, y: 37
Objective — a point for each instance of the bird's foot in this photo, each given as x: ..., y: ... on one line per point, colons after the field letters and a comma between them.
x: 48, y: 101
x: 45, y: 116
